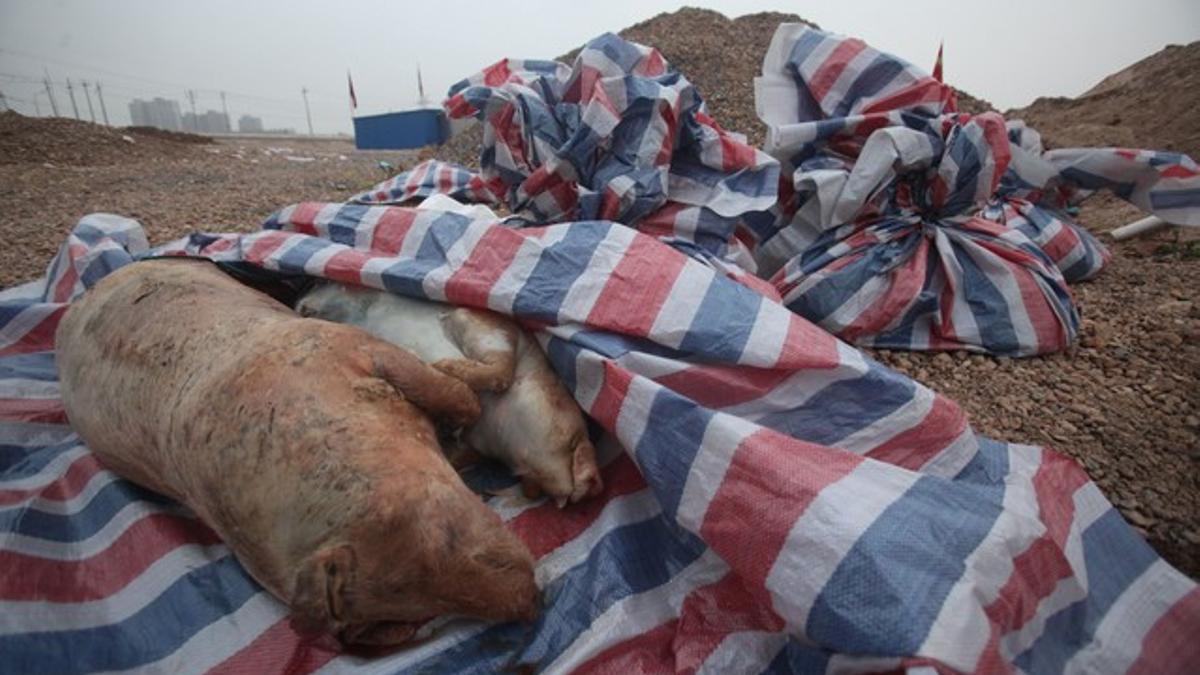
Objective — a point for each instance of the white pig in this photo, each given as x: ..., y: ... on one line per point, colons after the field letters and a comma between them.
x: 528, y: 420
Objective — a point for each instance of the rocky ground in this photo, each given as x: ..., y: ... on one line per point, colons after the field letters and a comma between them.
x: 1125, y: 401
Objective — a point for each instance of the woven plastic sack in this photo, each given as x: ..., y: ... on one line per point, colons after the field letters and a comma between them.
x: 903, y: 223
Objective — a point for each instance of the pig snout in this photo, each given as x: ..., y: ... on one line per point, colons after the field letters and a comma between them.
x: 475, y: 565
x: 468, y: 562
x: 566, y: 475
x: 433, y: 549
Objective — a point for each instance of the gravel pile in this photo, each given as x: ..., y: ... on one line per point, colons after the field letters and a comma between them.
x: 1151, y: 104
x: 26, y: 140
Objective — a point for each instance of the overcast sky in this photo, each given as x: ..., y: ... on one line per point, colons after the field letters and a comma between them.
x: 262, y: 52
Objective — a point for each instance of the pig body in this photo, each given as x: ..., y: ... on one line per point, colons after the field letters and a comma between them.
x: 528, y: 419
x: 306, y: 445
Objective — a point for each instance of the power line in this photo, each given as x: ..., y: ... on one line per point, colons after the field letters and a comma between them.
x: 307, y: 114
x: 192, y: 97
x: 88, y: 96
x: 164, y: 83
x: 285, y: 111
x: 50, y: 95
x: 71, y: 92
x: 103, y: 111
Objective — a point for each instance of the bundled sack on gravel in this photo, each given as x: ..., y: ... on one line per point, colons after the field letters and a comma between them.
x: 905, y: 224
x: 618, y: 135
x: 773, y: 499
x: 1041, y: 187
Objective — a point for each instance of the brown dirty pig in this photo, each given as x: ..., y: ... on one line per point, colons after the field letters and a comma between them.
x: 528, y: 420
x: 305, y: 444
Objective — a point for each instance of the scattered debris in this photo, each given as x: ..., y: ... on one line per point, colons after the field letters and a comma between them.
x: 1138, y: 227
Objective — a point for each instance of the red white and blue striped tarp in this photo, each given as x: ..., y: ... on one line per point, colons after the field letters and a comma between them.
x: 905, y: 224
x: 429, y: 178
x: 775, y: 500
x: 619, y: 135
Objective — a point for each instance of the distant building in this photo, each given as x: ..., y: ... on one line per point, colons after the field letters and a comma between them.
x: 248, y: 124
x: 211, y: 122
x: 159, y: 112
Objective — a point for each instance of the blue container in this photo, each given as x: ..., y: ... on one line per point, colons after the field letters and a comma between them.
x: 401, y: 130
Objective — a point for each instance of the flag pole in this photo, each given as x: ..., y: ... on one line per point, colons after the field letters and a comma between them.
x: 423, y: 102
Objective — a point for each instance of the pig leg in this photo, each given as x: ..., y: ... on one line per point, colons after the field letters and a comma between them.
x: 443, y: 397
x: 490, y: 345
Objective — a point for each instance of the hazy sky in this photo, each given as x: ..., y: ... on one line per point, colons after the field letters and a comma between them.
x: 263, y: 52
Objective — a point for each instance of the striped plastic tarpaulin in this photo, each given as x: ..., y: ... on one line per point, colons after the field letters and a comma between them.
x: 619, y: 135
x: 775, y: 501
x: 905, y: 224
x: 429, y: 178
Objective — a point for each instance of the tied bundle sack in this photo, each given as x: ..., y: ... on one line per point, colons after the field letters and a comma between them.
x: 773, y: 499
x: 905, y: 224
x: 1041, y: 187
x: 618, y: 135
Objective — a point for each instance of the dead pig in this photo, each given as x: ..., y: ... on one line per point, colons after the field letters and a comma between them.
x: 529, y: 420
x: 306, y: 445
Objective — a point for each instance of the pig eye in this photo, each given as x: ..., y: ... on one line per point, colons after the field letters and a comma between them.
x: 494, y: 562
x: 401, y: 590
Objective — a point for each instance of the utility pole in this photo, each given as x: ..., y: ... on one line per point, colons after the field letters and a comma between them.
x: 88, y: 96
x: 37, y: 108
x: 195, y: 120
x: 4, y: 102
x: 71, y: 92
x: 50, y: 94
x: 103, y: 111
x: 225, y: 109
x: 307, y: 114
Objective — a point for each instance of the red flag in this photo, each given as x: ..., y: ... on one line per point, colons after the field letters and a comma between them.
x: 937, y: 67
x: 353, y: 98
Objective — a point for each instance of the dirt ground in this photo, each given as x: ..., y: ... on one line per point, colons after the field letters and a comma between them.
x: 172, y: 187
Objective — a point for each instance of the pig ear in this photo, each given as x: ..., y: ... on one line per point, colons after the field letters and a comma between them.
x: 320, y: 597
x: 584, y: 471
